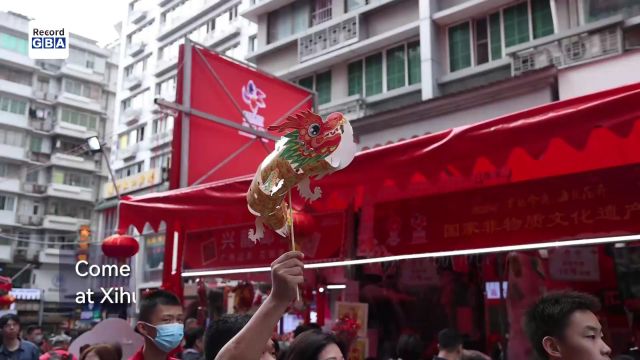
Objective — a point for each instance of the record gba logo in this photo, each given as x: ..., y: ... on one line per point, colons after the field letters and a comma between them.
x: 47, y: 41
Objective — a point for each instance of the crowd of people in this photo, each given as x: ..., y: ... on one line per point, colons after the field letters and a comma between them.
x: 560, y: 326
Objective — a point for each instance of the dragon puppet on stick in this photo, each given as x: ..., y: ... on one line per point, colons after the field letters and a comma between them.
x: 311, y: 147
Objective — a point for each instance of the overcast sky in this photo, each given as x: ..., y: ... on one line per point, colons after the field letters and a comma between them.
x: 94, y: 19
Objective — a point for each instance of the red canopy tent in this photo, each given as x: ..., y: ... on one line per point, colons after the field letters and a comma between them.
x: 501, y: 182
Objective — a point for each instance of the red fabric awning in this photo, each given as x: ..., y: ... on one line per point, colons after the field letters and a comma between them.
x: 592, y: 132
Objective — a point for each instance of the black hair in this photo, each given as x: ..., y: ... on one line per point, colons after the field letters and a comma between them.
x: 191, y: 336
x: 410, y: 347
x: 549, y: 316
x: 310, y: 344
x: 8, y: 317
x: 221, y: 331
x: 33, y: 328
x: 150, y: 302
x: 305, y: 327
x: 449, y: 340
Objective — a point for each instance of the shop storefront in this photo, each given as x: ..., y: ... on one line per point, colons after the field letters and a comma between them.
x: 461, y: 229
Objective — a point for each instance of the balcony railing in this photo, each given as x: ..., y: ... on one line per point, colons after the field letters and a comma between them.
x: 328, y: 39
x: 321, y: 15
x: 136, y: 49
x: 132, y: 81
x: 161, y: 138
x: 137, y: 16
x: 353, y: 107
x: 32, y: 188
x: 569, y: 50
x: 30, y: 220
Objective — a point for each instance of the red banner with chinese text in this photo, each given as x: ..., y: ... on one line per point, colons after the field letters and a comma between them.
x: 229, y: 247
x: 587, y: 205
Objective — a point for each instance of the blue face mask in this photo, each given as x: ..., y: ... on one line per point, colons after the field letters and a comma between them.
x: 168, y: 336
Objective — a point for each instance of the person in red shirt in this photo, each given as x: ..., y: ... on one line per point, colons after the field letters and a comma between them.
x: 160, y: 323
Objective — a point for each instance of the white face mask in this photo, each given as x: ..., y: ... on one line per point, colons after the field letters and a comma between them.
x: 38, y: 339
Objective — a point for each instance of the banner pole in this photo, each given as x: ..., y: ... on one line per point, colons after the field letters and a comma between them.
x: 186, y: 104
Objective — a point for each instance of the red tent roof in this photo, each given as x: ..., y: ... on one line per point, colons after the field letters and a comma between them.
x: 596, y: 131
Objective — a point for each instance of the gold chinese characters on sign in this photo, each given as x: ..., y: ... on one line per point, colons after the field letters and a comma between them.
x: 134, y: 182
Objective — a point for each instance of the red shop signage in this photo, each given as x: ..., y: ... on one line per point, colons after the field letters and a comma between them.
x: 594, y: 204
x: 229, y: 247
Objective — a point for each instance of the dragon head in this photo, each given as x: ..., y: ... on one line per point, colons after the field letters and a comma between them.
x: 315, y: 137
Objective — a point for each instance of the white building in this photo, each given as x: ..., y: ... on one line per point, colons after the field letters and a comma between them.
x: 48, y: 182
x: 150, y: 37
x: 403, y: 68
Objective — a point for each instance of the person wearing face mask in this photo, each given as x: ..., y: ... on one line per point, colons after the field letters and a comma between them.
x: 563, y: 326
x: 35, y: 335
x: 160, y: 323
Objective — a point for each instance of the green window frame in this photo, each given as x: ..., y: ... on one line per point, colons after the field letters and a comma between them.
x: 396, y: 75
x: 373, y: 74
x: 306, y: 82
x: 354, y: 71
x: 516, y: 24
x: 541, y: 18
x: 496, y: 36
x: 36, y: 144
x: 459, y: 46
x: 413, y: 55
x: 323, y: 87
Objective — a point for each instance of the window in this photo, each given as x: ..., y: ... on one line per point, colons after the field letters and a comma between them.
x: 489, y: 35
x: 351, y: 5
x: 413, y: 53
x: 11, y: 105
x: 320, y: 83
x: 288, y: 20
x: 130, y: 170
x: 373, y: 74
x: 323, y: 87
x: 4, y: 169
x: 87, y: 120
x: 136, y: 69
x: 81, y: 88
x: 306, y: 82
x: 32, y: 176
x: 136, y: 101
x: 459, y: 51
x: 496, y: 36
x: 599, y: 9
x: 85, y: 59
x: 542, y: 18
x: 161, y: 161
x: 233, y: 13
x: 123, y: 141
x: 9, y: 170
x: 7, y: 202
x: 253, y: 43
x: 516, y: 24
x: 162, y: 125
x: 482, y: 41
x: 15, y: 75
x: 36, y: 144
x: 395, y: 68
x: 321, y: 11
x: 71, y: 178
x: 354, y: 71
x: 11, y: 137
x: 13, y: 43
x: 167, y: 89
x: 43, y: 84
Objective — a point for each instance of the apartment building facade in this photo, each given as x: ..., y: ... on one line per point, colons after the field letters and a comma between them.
x: 404, y: 68
x: 48, y: 181
x: 150, y: 38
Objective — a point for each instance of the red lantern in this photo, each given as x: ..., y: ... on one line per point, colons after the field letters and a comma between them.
x: 120, y: 246
x: 6, y: 300
x: 303, y: 223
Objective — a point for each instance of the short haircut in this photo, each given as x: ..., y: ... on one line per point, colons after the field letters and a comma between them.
x: 305, y: 327
x: 410, y: 347
x: 221, y: 331
x: 549, y: 316
x: 4, y: 320
x: 449, y: 340
x: 150, y: 302
x: 191, y: 336
x: 103, y: 351
x: 33, y: 328
x: 310, y: 344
